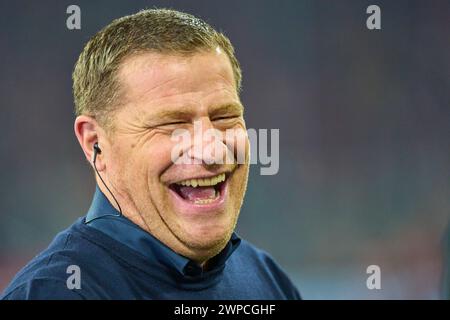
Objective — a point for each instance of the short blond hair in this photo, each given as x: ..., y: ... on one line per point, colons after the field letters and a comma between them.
x: 96, y: 89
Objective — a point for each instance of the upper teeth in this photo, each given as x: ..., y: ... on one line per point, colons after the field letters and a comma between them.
x: 203, y: 182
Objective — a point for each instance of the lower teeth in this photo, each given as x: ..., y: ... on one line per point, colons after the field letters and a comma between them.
x: 206, y: 201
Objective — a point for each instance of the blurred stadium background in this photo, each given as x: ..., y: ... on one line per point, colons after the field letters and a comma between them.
x: 364, y: 135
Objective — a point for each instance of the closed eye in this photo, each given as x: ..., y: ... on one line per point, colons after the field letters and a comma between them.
x: 225, y: 118
x: 173, y: 123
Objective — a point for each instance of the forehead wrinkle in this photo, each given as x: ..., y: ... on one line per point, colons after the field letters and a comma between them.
x: 141, y: 95
x: 148, y: 91
x: 227, y: 79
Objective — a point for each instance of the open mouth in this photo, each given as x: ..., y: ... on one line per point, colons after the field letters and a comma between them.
x: 201, y: 191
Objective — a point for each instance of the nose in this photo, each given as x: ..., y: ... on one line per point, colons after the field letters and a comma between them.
x: 208, y: 146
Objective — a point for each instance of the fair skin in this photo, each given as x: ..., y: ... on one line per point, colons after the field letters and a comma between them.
x: 164, y: 93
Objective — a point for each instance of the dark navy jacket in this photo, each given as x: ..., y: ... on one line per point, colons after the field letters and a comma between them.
x: 116, y: 259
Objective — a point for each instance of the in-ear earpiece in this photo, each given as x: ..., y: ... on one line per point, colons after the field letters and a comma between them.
x: 97, y: 150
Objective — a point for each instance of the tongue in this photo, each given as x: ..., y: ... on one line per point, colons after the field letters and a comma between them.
x: 198, y: 193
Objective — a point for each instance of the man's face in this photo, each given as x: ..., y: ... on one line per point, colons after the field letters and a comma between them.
x: 164, y: 93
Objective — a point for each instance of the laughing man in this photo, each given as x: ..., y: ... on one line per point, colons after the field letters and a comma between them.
x: 157, y: 228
